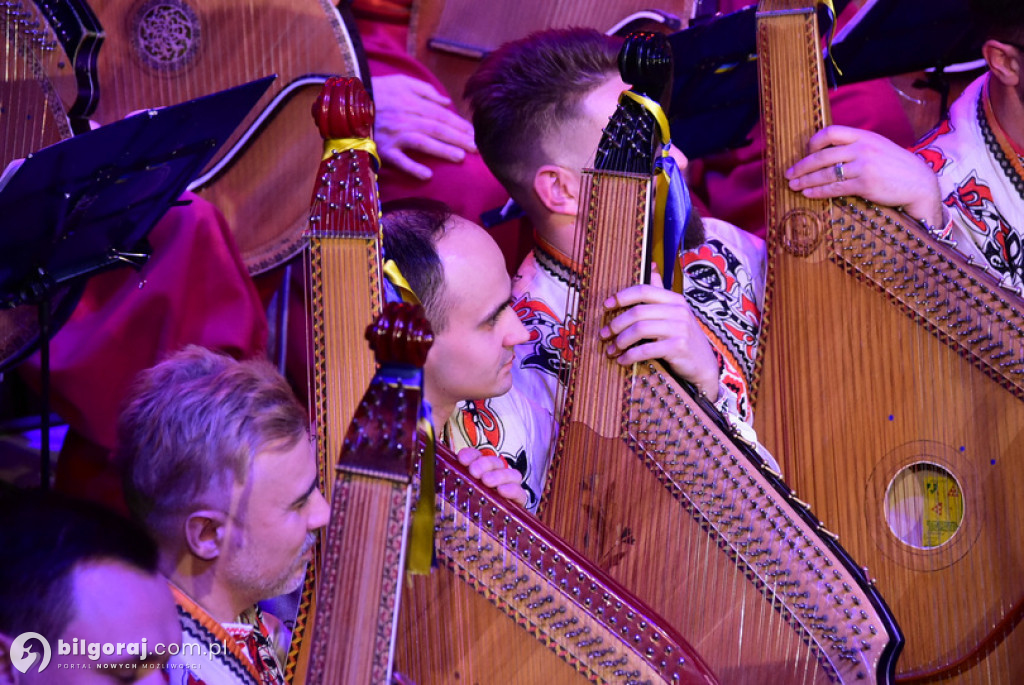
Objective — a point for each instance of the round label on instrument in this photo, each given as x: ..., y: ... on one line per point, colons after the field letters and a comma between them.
x: 924, y: 505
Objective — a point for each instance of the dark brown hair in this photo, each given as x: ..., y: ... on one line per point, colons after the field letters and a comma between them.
x: 45, y: 538
x: 412, y: 227
x: 526, y: 90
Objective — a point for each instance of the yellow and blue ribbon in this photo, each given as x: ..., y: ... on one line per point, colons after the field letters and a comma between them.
x: 830, y: 8
x: 421, y: 527
x: 396, y: 288
x: 672, y: 204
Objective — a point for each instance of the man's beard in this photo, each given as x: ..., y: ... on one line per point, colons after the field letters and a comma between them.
x: 294, y: 579
x: 287, y: 582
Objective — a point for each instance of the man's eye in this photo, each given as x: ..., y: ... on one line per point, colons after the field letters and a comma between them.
x: 504, y: 308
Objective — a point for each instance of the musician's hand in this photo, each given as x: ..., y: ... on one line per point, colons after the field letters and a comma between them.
x: 873, y: 167
x: 659, y: 324
x: 494, y: 473
x: 413, y: 116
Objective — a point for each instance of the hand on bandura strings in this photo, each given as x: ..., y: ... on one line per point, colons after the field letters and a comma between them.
x: 413, y: 117
x: 659, y: 324
x: 848, y: 161
x: 493, y: 472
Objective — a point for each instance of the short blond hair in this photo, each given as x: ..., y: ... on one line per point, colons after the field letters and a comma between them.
x: 191, y: 429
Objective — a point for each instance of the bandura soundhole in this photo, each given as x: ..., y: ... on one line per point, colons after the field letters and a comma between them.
x: 166, y: 35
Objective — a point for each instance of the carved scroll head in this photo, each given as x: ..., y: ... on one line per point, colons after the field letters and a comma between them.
x: 401, y: 335
x: 645, y: 62
x: 343, y: 109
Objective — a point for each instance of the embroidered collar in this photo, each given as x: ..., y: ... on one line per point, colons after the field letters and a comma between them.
x: 555, y: 263
x: 213, y: 629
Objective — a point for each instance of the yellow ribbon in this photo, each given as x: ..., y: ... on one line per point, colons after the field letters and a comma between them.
x: 395, y: 277
x: 831, y: 34
x: 421, y: 528
x: 656, y: 111
x: 333, y: 146
x: 660, y: 188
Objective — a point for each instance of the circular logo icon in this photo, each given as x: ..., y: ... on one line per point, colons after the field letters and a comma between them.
x: 23, y: 656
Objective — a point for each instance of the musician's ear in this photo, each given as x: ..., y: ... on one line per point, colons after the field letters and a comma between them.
x: 1006, y: 62
x: 205, y: 531
x: 557, y: 189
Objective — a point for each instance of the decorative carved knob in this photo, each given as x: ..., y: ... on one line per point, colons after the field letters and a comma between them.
x: 401, y: 335
x: 343, y: 109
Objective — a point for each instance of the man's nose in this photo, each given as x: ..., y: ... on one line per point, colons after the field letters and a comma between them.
x: 517, y: 333
x: 321, y: 511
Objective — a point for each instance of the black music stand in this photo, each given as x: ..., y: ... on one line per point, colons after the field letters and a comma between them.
x: 86, y: 204
x: 715, y: 98
x: 889, y: 37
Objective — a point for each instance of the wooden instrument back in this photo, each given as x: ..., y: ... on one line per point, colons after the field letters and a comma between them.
x: 451, y: 36
x: 161, y: 52
x: 654, y: 486
x: 890, y: 387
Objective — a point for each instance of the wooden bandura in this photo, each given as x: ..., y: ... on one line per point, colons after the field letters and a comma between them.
x: 650, y: 482
x: 162, y: 52
x: 890, y: 385
x: 38, y: 83
x: 364, y: 553
x: 344, y: 268
x: 343, y: 249
x: 511, y: 602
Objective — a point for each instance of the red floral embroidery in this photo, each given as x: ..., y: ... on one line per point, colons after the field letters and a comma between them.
x: 563, y: 341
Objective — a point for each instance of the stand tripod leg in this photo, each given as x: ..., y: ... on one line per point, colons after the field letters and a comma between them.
x: 44, y: 385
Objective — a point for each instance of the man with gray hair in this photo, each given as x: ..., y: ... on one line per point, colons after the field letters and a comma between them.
x: 219, y: 466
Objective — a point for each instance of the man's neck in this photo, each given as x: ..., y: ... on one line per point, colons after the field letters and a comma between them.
x: 199, y: 581
x: 440, y: 412
x: 1008, y: 107
x: 558, y: 232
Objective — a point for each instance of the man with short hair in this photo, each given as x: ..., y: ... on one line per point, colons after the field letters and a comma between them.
x: 80, y: 577
x: 966, y: 183
x: 539, y: 107
x: 457, y: 272
x: 220, y: 468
